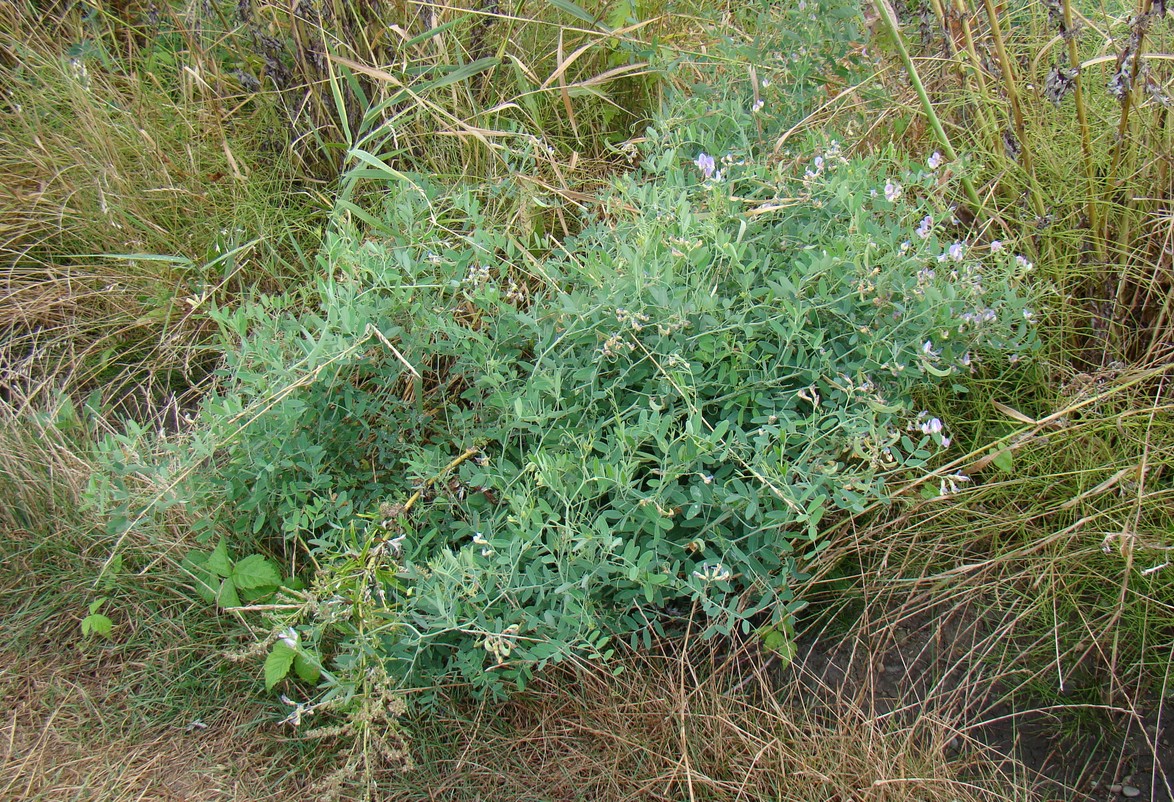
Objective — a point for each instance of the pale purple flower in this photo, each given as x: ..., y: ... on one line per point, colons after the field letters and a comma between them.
x: 996, y: 246
x: 931, y: 426
x: 935, y: 161
x: 957, y: 251
x: 706, y: 165
x: 926, y: 227
x: 892, y: 191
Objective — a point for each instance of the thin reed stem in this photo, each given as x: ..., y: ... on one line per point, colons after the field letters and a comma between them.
x: 977, y: 74
x: 1135, y: 46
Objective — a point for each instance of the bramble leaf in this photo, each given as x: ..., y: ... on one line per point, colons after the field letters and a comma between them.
x: 227, y: 596
x: 277, y: 665
x: 219, y: 562
x: 306, y: 669
x: 254, y: 572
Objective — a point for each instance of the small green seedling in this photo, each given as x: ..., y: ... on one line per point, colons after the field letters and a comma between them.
x: 95, y: 623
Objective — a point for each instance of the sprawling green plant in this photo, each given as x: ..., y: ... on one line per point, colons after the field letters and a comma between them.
x: 494, y: 456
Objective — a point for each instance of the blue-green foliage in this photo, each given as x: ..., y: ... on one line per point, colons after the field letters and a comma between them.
x: 650, y: 421
x: 664, y: 410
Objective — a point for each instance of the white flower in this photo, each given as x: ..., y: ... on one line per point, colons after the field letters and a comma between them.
x: 706, y: 165
x: 810, y: 395
x: 299, y: 709
x: 1023, y: 263
x: 765, y: 83
x: 892, y: 191
x: 713, y: 572
x: 957, y: 251
x: 996, y: 246
x: 758, y: 104
x: 486, y: 549
x: 290, y: 638
x: 949, y: 484
x: 935, y: 161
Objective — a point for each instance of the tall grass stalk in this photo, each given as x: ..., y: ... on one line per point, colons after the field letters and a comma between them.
x: 1085, y: 134
x: 977, y: 74
x: 1011, y: 86
x: 889, y: 18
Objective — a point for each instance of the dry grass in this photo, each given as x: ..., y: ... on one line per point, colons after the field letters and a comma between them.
x: 695, y: 724
x: 58, y: 741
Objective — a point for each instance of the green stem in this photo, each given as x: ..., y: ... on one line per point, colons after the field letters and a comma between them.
x: 1085, y: 137
x: 1143, y: 8
x: 1011, y: 84
x: 885, y: 12
x: 976, y: 72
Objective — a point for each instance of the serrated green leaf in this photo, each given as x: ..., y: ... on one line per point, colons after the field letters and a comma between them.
x: 227, y: 596
x: 306, y: 669
x: 254, y: 572
x: 97, y: 624
x: 278, y: 663
x: 206, y: 584
x: 219, y: 562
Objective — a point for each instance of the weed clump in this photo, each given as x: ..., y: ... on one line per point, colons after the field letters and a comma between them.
x: 490, y: 458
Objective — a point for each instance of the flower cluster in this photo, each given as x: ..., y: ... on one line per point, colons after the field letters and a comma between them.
x: 486, y: 549
x: 477, y: 276
x: 500, y: 646
x: 713, y: 572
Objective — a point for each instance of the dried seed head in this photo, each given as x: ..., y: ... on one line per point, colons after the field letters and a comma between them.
x: 1011, y: 144
x: 1059, y: 83
x: 1056, y: 14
